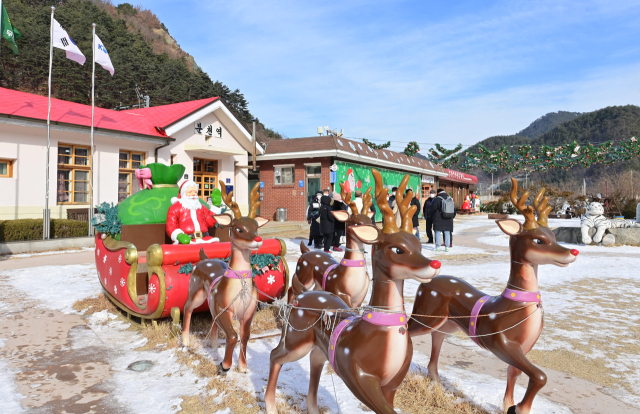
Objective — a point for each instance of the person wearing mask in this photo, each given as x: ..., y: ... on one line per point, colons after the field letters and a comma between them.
x: 338, y: 226
x: 442, y: 222
x: 313, y: 214
x: 428, y: 217
x: 394, y: 206
x: 392, y: 197
x: 415, y: 219
x: 358, y: 200
x: 327, y: 221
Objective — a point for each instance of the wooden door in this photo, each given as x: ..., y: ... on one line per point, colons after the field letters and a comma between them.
x: 205, y: 174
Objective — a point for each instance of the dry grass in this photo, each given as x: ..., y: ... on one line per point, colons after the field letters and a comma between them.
x: 95, y: 304
x: 418, y: 394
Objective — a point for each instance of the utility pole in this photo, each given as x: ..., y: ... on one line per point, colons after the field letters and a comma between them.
x: 491, y: 184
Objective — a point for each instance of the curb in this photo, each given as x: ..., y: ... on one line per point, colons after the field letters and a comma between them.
x: 36, y: 246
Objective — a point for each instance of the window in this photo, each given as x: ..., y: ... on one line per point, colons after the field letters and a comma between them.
x: 6, y: 168
x: 314, y: 169
x: 205, y: 174
x: 74, y: 163
x: 129, y: 162
x: 283, y: 175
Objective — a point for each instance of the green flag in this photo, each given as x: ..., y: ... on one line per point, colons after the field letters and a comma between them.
x: 8, y: 31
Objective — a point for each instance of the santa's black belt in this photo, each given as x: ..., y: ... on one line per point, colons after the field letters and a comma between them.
x: 198, y: 234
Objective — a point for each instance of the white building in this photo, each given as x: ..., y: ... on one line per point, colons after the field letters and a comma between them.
x: 202, y: 135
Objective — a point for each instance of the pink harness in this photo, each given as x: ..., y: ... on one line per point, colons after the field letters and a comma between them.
x: 511, y: 294
x: 375, y: 318
x: 232, y: 274
x: 343, y: 262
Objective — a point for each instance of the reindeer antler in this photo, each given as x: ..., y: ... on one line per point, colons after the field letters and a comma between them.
x: 347, y: 199
x: 404, y: 205
x: 388, y: 219
x: 228, y: 200
x: 366, y: 202
x: 527, y: 211
x: 254, y: 201
x: 540, y: 204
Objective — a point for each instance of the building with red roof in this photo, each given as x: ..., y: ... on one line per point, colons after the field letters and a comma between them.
x: 203, y: 135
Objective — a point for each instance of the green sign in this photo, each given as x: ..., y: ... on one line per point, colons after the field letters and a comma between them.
x: 359, y: 177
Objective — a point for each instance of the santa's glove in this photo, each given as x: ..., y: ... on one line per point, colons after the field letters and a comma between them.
x: 183, y: 238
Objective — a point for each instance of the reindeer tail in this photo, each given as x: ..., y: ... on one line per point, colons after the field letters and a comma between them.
x: 297, y: 286
x: 303, y: 247
x: 203, y: 256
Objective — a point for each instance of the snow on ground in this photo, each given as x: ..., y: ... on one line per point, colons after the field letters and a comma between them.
x: 57, y: 287
x: 9, y: 394
x: 23, y: 255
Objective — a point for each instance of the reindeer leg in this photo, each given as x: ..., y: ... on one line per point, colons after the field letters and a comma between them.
x: 226, y: 323
x: 511, y: 353
x: 317, y: 364
x: 245, y: 333
x: 512, y: 375
x: 367, y: 389
x: 195, y: 299
x: 291, y: 348
x: 437, y: 339
x: 213, y: 337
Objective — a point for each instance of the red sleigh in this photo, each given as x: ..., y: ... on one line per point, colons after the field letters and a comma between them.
x: 149, y: 285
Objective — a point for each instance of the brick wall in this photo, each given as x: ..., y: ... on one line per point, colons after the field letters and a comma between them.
x: 289, y: 196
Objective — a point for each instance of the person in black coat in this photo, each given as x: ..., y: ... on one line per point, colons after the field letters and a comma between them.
x: 415, y: 219
x: 313, y: 214
x: 338, y: 226
x: 427, y: 217
x: 327, y: 221
x: 441, y: 224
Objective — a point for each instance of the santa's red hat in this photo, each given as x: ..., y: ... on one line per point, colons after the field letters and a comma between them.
x: 183, y: 189
x: 349, y: 171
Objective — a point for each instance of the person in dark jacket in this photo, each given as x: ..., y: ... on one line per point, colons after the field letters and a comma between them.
x: 441, y: 224
x: 327, y: 221
x: 415, y: 219
x: 313, y: 214
x: 427, y: 217
x: 339, y: 226
x: 392, y: 198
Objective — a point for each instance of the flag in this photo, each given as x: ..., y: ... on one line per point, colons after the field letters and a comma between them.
x: 8, y: 31
x: 62, y: 40
x: 102, y: 56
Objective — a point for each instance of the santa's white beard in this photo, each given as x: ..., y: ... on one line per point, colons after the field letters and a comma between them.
x: 192, y: 203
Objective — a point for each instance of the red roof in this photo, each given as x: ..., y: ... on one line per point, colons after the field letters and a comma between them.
x: 137, y: 121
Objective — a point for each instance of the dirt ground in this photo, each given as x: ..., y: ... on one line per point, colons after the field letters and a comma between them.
x: 56, y: 378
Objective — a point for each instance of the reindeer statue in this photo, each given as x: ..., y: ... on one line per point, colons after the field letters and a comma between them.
x: 507, y: 325
x: 229, y: 289
x: 372, y: 373
x: 319, y: 271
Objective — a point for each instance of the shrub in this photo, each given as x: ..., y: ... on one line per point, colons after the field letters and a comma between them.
x: 31, y: 229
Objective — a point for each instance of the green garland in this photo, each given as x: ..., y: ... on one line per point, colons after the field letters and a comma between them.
x: 411, y: 149
x: 258, y: 262
x: 525, y: 159
x: 444, y: 156
x: 376, y: 146
x: 186, y: 268
x: 107, y: 221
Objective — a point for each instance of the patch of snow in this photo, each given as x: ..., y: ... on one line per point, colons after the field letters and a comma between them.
x: 22, y: 255
x: 9, y: 394
x: 57, y: 287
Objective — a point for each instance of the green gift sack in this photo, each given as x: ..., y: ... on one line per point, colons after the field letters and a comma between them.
x: 165, y: 174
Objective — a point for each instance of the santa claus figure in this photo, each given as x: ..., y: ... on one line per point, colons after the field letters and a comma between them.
x: 188, y: 220
x: 351, y: 185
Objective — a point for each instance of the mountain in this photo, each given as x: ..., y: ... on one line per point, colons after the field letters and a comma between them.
x: 143, y: 53
x: 546, y: 123
x: 613, y: 123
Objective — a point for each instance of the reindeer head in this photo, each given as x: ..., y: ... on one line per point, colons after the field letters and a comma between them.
x: 398, y: 252
x: 244, y: 230
x: 534, y: 243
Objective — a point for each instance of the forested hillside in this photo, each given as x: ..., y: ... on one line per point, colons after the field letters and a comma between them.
x: 614, y: 123
x: 547, y: 122
x: 141, y: 49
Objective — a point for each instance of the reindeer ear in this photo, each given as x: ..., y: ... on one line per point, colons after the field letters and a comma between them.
x: 367, y: 233
x: 223, y: 219
x: 261, y: 221
x: 510, y: 227
x: 341, y: 215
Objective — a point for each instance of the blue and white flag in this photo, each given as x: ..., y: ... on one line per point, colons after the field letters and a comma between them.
x: 102, y: 56
x: 62, y: 40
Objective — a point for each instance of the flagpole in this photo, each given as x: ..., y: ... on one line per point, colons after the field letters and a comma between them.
x: 47, y: 218
x: 0, y: 31
x: 93, y: 106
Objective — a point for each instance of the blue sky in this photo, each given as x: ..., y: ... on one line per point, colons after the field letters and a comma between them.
x: 430, y: 71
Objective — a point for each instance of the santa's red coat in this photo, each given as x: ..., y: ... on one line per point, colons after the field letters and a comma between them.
x: 183, y: 220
